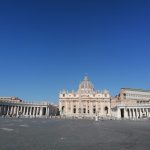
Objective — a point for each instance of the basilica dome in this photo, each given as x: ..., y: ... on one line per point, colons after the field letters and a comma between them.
x: 86, y: 86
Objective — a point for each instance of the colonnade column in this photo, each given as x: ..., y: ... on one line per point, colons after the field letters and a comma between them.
x: 40, y: 113
x: 47, y: 113
x: 66, y: 104
x: 125, y: 113
x: 137, y: 113
x: 147, y: 115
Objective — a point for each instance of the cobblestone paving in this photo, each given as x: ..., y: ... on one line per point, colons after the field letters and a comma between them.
x: 56, y: 134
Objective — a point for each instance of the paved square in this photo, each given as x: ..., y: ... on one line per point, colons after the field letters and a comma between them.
x: 56, y: 134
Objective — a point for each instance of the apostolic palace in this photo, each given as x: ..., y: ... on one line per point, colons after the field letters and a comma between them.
x: 86, y: 102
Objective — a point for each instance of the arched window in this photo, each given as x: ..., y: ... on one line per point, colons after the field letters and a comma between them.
x: 63, y: 108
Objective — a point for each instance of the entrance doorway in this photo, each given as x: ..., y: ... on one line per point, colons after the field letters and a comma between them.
x: 122, y: 113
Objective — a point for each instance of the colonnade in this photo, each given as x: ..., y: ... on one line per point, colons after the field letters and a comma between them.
x: 26, y: 111
x: 134, y: 112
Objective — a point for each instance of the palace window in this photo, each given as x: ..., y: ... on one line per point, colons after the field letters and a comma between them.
x: 84, y: 110
x: 74, y: 110
x: 94, y: 110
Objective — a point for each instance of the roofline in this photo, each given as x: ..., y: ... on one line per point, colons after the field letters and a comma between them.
x: 134, y: 89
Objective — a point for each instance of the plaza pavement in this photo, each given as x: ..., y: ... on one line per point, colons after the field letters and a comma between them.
x: 65, y: 134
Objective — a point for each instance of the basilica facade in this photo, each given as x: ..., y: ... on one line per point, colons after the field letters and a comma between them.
x: 85, y: 102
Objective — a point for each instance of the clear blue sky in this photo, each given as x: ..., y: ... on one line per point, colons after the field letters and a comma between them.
x: 46, y: 46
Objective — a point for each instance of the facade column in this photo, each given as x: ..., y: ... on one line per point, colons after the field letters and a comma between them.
x: 21, y: 110
x: 41, y: 109
x: 33, y: 111
x: 141, y: 114
x: 66, y: 110
x: 36, y: 111
x: 118, y: 113
x: 91, y: 108
x: 86, y: 108
x: 30, y: 111
x: 133, y: 113
x: 47, y: 111
x: 12, y: 108
x: 102, y: 109
x: 125, y: 113
x: 60, y: 107
x: 145, y: 112
x: 8, y: 110
x: 27, y: 111
x: 137, y: 113
x: 24, y: 109
x: 148, y: 112
x: 97, y: 109
x: 15, y: 110
x: 71, y: 108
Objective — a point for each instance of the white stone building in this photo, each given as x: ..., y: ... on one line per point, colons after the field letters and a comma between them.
x: 85, y: 102
x: 131, y: 104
